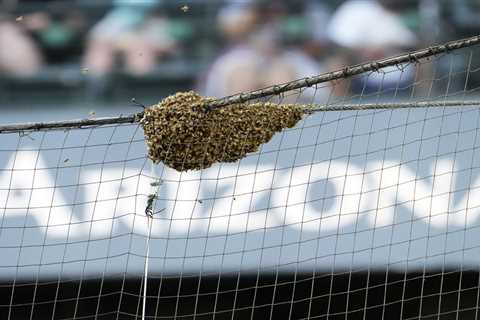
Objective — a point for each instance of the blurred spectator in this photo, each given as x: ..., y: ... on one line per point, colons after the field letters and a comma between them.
x: 369, y: 27
x: 288, y: 60
x: 131, y: 31
x: 318, y: 13
x: 58, y: 32
x: 371, y: 30
x: 38, y: 37
x: 260, y: 53
x: 19, y: 55
x: 237, y: 68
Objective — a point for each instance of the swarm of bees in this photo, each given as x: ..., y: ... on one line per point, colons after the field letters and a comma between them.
x: 183, y: 133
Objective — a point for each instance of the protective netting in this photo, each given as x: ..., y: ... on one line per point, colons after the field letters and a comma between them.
x: 368, y: 211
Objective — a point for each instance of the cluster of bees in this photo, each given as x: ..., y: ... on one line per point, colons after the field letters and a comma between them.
x: 183, y: 133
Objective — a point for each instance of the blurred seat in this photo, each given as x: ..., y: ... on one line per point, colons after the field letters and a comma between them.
x: 66, y: 77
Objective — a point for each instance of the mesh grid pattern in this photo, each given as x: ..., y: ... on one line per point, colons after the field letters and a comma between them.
x: 354, y: 214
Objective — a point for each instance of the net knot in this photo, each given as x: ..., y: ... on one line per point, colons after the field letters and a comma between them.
x: 413, y: 58
x: 308, y: 82
x: 376, y: 66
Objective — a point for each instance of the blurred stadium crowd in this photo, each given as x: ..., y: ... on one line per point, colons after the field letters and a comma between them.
x: 216, y: 47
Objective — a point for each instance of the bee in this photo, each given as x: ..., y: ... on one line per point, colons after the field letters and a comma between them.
x: 138, y: 104
x: 156, y: 183
x: 149, y: 208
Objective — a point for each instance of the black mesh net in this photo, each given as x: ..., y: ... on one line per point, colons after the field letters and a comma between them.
x: 367, y: 208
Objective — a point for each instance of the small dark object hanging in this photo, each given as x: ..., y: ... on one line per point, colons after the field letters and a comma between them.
x: 184, y: 134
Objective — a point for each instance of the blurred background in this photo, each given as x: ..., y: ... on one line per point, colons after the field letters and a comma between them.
x: 71, y: 57
x: 86, y: 58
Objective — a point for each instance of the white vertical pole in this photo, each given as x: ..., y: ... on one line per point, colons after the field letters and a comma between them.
x: 154, y: 189
x: 145, y: 271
